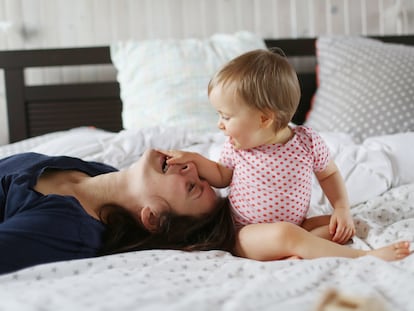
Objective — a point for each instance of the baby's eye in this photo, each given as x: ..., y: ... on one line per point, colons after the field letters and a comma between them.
x: 224, y: 117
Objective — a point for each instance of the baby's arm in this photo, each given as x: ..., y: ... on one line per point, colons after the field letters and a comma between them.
x: 216, y: 174
x: 341, y: 225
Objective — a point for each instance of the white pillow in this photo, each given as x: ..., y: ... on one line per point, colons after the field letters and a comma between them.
x: 365, y: 87
x: 164, y: 82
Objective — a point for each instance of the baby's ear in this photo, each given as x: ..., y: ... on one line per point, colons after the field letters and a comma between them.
x: 267, y: 119
x: 150, y: 219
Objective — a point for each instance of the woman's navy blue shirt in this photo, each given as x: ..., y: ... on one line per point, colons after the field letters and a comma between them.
x: 37, y: 228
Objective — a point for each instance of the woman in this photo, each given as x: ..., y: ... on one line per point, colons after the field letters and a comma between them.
x: 61, y: 208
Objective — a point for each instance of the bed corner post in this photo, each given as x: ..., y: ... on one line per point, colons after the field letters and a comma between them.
x: 14, y: 79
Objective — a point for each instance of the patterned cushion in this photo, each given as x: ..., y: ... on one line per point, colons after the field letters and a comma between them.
x: 366, y: 87
x: 164, y: 82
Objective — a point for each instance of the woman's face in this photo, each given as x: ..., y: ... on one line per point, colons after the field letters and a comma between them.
x: 179, y: 186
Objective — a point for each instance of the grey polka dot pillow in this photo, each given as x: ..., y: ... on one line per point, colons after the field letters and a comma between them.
x: 366, y: 87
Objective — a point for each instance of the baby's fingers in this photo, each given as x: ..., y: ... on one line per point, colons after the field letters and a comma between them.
x: 172, y: 156
x: 337, y: 236
x: 165, y: 152
x: 172, y: 153
x: 332, y: 226
x: 343, y: 235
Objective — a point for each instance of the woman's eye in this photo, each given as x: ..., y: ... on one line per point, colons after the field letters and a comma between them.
x: 164, y: 166
x: 191, y: 187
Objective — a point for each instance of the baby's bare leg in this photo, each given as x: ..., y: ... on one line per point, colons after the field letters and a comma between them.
x: 318, y: 225
x: 392, y: 252
x: 282, y: 239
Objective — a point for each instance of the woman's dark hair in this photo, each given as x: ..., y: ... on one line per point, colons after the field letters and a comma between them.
x: 214, y: 231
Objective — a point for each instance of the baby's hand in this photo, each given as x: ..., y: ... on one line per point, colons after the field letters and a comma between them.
x: 177, y: 156
x: 341, y: 225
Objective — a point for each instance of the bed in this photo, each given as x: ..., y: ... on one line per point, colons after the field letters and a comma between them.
x: 357, y: 91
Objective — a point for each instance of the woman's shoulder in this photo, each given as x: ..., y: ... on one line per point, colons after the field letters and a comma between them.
x: 19, y: 162
x: 32, y: 160
x: 90, y: 167
x: 24, y: 155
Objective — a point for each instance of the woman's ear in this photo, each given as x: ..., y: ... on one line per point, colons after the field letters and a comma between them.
x: 149, y: 219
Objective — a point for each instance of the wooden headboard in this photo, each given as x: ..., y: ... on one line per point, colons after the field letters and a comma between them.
x: 40, y: 109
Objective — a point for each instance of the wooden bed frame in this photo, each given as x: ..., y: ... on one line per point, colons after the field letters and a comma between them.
x: 40, y: 109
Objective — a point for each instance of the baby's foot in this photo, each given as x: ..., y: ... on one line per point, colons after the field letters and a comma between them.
x: 392, y: 252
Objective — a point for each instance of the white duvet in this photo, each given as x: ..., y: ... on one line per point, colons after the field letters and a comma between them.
x: 379, y: 174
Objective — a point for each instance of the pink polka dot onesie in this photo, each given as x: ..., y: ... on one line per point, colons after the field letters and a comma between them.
x: 273, y: 182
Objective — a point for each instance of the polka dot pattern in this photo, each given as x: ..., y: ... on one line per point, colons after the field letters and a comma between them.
x: 273, y: 182
x: 365, y: 87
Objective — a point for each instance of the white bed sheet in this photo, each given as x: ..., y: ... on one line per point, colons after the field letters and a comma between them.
x: 379, y: 174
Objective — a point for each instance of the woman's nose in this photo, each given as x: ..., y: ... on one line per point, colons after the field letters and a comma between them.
x: 187, y: 167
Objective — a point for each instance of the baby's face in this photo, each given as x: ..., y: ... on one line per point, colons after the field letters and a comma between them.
x: 237, y: 120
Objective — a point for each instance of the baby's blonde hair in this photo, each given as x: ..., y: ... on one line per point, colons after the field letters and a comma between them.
x: 265, y: 80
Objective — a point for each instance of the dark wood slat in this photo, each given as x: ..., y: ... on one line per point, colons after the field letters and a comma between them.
x: 405, y: 39
x: 55, y: 57
x: 294, y: 47
x: 14, y: 83
x: 308, y: 87
x: 47, y: 116
x: 307, y: 46
x: 73, y: 91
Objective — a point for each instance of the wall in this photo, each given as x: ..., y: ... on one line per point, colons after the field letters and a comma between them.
x: 26, y: 24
